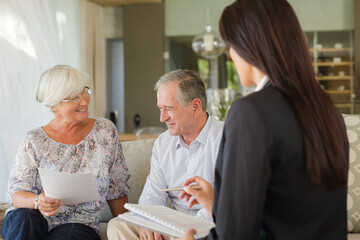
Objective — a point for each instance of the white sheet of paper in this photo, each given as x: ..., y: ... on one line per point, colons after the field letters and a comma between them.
x: 70, y: 188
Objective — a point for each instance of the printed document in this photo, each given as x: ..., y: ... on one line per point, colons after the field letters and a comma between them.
x: 70, y: 188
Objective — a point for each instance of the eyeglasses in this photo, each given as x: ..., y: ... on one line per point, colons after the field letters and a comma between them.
x: 75, y: 100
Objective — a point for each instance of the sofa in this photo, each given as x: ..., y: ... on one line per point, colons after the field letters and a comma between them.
x: 137, y: 154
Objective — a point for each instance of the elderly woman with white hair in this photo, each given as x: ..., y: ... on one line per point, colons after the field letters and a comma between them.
x: 71, y: 142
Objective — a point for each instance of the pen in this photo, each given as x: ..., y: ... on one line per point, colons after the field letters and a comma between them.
x: 179, y: 188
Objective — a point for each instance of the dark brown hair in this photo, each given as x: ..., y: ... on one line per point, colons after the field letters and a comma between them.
x: 267, y: 34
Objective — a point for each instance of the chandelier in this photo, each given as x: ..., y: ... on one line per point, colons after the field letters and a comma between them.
x: 208, y: 44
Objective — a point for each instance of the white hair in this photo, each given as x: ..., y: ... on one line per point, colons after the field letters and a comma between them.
x: 58, y: 83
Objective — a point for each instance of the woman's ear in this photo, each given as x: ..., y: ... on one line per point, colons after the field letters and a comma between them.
x: 53, y: 108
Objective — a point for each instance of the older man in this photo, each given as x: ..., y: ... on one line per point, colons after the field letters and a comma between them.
x: 189, y: 148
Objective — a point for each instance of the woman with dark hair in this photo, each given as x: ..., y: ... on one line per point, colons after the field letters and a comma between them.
x: 282, y: 166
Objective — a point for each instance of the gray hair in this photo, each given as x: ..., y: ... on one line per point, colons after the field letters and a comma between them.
x: 58, y: 83
x: 190, y: 86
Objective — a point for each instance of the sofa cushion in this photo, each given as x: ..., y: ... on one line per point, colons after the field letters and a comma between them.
x: 4, y: 206
x: 353, y: 198
x: 137, y: 156
x: 353, y: 236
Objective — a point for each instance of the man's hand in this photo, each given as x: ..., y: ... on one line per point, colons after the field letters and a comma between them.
x: 203, y: 196
x: 146, y: 234
x: 48, y: 206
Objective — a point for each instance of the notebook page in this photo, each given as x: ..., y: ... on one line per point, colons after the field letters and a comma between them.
x: 173, y: 219
x: 149, y: 224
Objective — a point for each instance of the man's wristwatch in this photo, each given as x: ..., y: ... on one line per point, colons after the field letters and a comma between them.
x: 36, y: 202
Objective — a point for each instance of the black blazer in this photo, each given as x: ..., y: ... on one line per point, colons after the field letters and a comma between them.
x: 261, y: 186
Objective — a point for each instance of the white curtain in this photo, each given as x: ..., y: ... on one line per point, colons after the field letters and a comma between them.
x: 92, y: 52
x: 34, y: 36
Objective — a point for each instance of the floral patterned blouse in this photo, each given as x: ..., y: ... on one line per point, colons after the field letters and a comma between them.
x: 100, y: 153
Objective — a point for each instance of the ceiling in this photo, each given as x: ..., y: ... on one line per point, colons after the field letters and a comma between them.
x: 123, y: 2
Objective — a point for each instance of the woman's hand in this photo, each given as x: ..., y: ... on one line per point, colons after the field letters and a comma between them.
x: 203, y: 196
x: 189, y: 235
x: 48, y: 206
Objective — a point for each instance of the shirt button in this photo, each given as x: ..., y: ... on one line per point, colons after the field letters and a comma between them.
x: 193, y: 156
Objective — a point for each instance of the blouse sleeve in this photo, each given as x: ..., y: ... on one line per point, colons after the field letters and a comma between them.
x: 242, y: 174
x: 24, y: 172
x: 118, y: 171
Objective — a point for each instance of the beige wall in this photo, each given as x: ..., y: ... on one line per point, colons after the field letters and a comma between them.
x: 188, y: 17
x: 324, y: 15
x: 113, y: 22
x: 143, y: 47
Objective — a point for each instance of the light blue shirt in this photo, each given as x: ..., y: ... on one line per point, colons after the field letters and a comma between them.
x: 173, y: 162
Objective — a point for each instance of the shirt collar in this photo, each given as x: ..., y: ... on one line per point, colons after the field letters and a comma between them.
x: 204, y: 131
x: 201, y: 138
x: 262, y: 83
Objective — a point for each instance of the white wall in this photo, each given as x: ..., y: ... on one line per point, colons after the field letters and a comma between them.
x: 188, y: 17
x: 324, y: 15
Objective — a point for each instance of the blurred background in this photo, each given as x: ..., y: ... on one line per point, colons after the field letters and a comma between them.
x: 127, y: 45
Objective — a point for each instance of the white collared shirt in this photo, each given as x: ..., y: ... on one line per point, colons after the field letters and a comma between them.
x: 173, y: 162
x: 262, y: 83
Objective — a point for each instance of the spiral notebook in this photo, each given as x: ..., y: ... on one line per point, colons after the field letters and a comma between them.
x: 165, y: 220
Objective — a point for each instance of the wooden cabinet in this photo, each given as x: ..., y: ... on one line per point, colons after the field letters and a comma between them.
x: 333, y: 62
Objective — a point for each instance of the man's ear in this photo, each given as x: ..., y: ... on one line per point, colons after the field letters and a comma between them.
x: 197, y: 106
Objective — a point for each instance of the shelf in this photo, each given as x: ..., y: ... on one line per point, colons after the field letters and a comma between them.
x: 332, y: 78
x: 338, y: 91
x: 331, y: 49
x: 330, y: 64
x: 343, y: 105
x: 327, y: 70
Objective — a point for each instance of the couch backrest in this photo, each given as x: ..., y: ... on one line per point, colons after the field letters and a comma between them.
x: 137, y: 156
